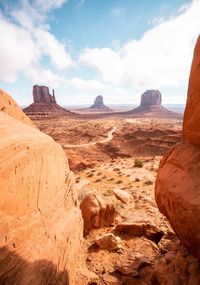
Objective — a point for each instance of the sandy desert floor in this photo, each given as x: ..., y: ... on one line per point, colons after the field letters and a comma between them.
x: 102, y: 154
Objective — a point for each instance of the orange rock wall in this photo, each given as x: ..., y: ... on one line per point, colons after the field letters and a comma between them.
x: 40, y: 221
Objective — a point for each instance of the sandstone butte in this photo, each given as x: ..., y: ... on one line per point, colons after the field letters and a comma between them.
x: 177, y: 187
x: 40, y: 221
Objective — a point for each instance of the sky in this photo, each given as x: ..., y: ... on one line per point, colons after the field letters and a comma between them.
x: 83, y: 48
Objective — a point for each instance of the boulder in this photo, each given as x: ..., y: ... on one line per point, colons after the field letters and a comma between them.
x: 138, y: 229
x: 96, y: 212
x: 108, y: 241
x: 123, y: 196
x: 40, y: 221
x: 177, y: 189
x: 131, y: 263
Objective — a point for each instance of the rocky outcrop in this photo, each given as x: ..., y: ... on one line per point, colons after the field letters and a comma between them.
x: 10, y: 107
x: 41, y: 95
x: 96, y: 212
x: 99, y: 104
x: 44, y: 104
x: 40, y: 221
x: 151, y: 97
x: 177, y: 185
x: 150, y: 105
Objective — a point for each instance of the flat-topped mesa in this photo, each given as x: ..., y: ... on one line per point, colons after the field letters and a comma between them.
x: 41, y: 95
x: 150, y: 105
x: 44, y: 104
x: 151, y: 97
x: 99, y: 104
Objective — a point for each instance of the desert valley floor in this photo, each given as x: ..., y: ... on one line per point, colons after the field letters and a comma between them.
x: 102, y: 153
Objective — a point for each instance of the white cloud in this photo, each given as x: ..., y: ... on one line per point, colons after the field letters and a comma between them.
x: 45, y: 77
x: 53, y: 48
x: 26, y: 40
x: 160, y: 58
x: 18, y: 52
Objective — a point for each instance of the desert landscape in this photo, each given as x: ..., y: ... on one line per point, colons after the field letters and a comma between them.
x: 98, y: 194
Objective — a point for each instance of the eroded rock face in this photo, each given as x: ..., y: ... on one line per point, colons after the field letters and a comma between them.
x: 96, y: 212
x: 191, y: 123
x: 40, y: 222
x: 10, y: 107
x: 177, y: 186
x: 41, y: 95
x: 44, y: 104
x: 151, y: 97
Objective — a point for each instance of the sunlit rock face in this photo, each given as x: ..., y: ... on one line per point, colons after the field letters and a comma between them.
x: 177, y: 188
x: 40, y: 222
x: 151, y: 97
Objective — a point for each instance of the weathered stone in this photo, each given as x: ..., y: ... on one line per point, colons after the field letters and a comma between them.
x: 177, y: 185
x: 108, y: 241
x: 10, y: 107
x: 40, y: 222
x: 123, y: 196
x: 96, y: 212
x: 191, y: 122
x: 110, y: 279
x: 140, y: 229
x: 130, y: 264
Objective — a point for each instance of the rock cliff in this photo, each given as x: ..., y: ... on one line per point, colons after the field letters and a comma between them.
x: 44, y: 104
x: 40, y: 221
x: 151, y: 97
x: 150, y: 105
x: 177, y: 186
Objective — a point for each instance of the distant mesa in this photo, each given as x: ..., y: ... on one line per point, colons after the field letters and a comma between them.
x: 44, y: 103
x: 99, y: 105
x: 151, y: 101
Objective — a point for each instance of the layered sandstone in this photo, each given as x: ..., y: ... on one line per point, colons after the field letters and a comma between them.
x: 151, y: 97
x: 177, y: 185
x: 40, y: 221
x: 44, y: 103
x: 10, y: 107
x: 99, y: 104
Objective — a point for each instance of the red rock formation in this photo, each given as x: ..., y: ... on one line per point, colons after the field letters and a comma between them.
x: 44, y: 103
x: 41, y: 95
x: 151, y: 97
x: 40, y: 221
x: 10, y: 107
x: 96, y: 212
x: 177, y: 185
x: 151, y: 105
x: 191, y: 123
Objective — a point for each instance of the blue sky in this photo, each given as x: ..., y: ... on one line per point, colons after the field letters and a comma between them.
x: 83, y: 48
